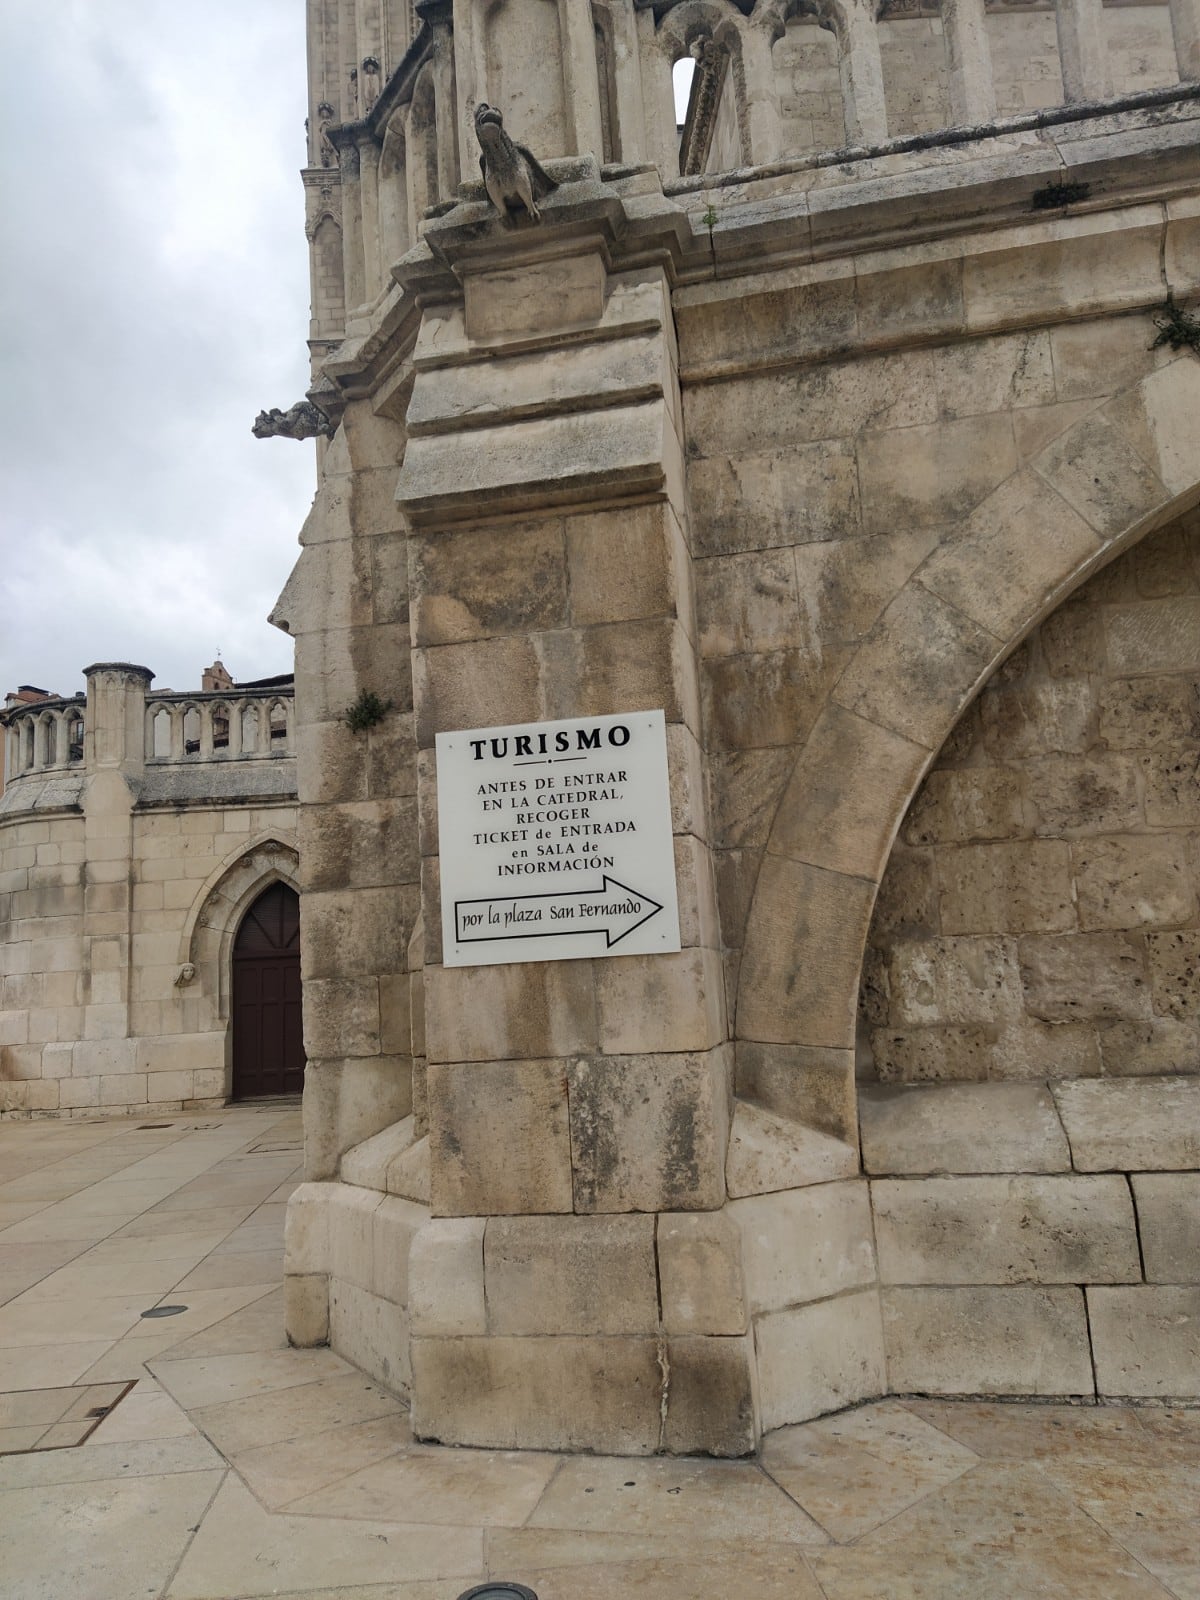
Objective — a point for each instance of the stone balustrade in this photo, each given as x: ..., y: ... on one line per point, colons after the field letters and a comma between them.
x: 224, y: 726
x: 48, y: 737
x: 44, y: 737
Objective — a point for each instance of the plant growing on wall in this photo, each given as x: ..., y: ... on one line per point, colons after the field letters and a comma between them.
x: 1176, y: 327
x: 366, y: 711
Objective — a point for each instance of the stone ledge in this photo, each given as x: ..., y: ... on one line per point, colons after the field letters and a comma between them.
x: 1002, y: 1341
x: 1001, y: 1230
x: 1146, y: 1340
x: 1132, y: 1124
x: 961, y: 1128
x: 367, y: 1164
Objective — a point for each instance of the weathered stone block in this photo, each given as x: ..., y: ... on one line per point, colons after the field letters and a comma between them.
x: 371, y: 1332
x: 333, y: 667
x: 805, y: 1245
x: 772, y: 699
x: 1072, y: 640
x: 570, y: 1275
x: 916, y: 667
x: 306, y: 1310
x: 499, y: 1141
x: 1168, y: 1208
x: 1146, y: 1124
x: 1160, y: 1047
x: 906, y: 906
x: 997, y: 1230
x: 760, y: 501
x: 1130, y: 882
x: 982, y: 375
x: 535, y: 463
x: 967, y: 1128
x: 804, y: 941
x: 711, y: 1397
x: 480, y: 582
x: 746, y: 604
x: 394, y: 1225
x: 392, y: 757
x: 700, y: 1273
x: 997, y: 566
x: 445, y: 1277
x: 341, y: 1017
x: 357, y: 932
x: 810, y: 1085
x: 1172, y: 785
x: 648, y: 1133
x: 1041, y: 718
x: 539, y: 1394
x: 499, y: 303
x: 346, y: 1102
x: 359, y: 845
x: 306, y: 1229
x: 1150, y: 713
x: 351, y: 1246
x: 658, y: 1004
x: 954, y: 981
x: 1022, y: 887
x: 507, y: 1012
x: 1146, y: 1340
x: 931, y: 476
x: 769, y: 1153
x: 966, y: 806
x: 819, y: 1358
x: 1099, y: 473
x: 1157, y: 636
x: 1175, y: 972
x: 366, y: 1165
x: 1089, y: 975
x: 486, y: 683
x: 846, y: 583
x: 1016, y: 1340
x: 847, y: 828
x: 641, y: 663
x: 619, y: 567
x: 746, y: 789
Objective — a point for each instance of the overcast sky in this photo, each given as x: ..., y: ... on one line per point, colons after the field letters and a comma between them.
x: 153, y: 297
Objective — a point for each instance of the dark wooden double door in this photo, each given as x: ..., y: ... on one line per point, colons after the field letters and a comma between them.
x: 268, y: 1041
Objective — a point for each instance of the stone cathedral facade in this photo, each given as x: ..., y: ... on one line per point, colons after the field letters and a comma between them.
x: 855, y: 426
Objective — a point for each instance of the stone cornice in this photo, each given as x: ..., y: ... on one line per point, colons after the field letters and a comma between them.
x: 821, y: 218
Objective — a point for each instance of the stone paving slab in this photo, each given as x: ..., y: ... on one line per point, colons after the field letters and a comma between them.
x: 237, y: 1468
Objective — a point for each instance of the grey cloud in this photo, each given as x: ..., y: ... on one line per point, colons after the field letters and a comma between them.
x: 154, y: 297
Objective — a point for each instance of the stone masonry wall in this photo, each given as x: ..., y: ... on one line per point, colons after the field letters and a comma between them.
x: 92, y: 925
x: 1038, y: 917
x: 346, y: 605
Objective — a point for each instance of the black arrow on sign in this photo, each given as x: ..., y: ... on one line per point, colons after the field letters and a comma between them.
x: 540, y: 930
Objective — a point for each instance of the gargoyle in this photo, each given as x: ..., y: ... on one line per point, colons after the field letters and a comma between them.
x: 302, y: 421
x: 512, y: 176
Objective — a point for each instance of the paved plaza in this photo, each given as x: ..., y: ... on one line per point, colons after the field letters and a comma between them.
x: 237, y: 1467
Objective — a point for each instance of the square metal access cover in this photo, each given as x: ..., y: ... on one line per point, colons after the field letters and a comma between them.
x: 55, y: 1419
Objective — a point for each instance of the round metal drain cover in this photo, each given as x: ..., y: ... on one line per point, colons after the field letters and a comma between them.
x: 499, y: 1591
x: 164, y: 1311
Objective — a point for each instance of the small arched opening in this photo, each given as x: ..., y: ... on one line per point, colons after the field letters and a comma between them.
x: 268, y: 1043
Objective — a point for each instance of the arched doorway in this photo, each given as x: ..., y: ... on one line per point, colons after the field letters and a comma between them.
x: 268, y: 1044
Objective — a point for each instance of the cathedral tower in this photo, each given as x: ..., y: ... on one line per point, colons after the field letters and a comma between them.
x: 744, y: 470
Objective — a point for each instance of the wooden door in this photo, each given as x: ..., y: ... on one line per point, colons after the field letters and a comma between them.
x: 268, y: 1044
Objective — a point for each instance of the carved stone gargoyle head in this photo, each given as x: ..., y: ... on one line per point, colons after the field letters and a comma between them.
x: 512, y: 175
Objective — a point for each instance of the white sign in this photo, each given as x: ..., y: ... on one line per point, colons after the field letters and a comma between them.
x: 555, y: 841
